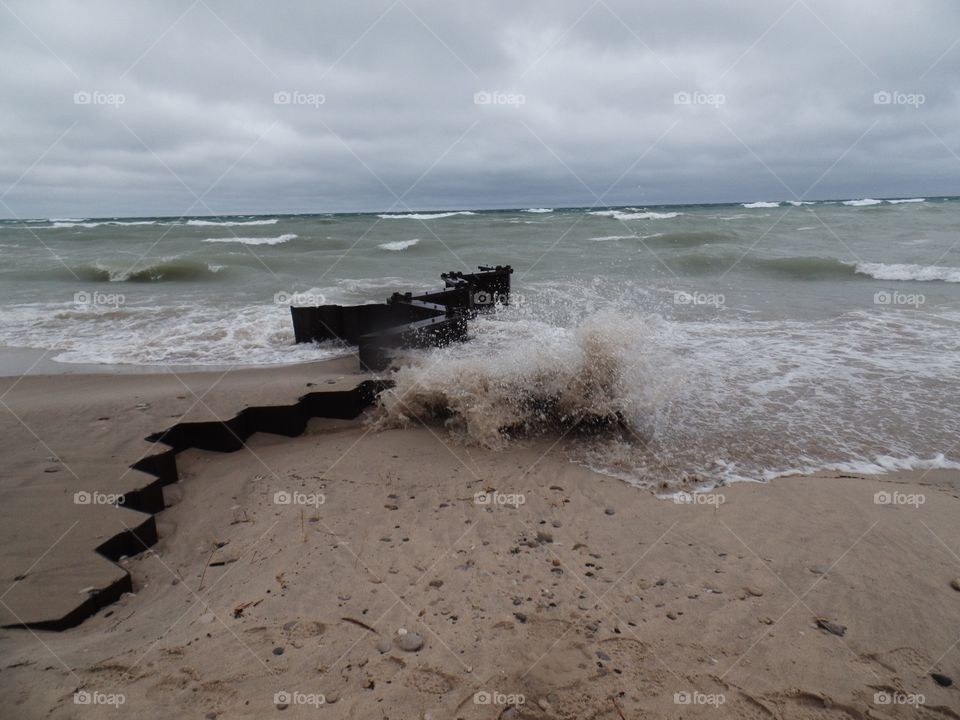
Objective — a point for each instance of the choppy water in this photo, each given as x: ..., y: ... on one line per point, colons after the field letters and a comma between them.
x: 742, y: 341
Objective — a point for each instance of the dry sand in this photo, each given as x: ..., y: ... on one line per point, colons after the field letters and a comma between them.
x: 590, y: 599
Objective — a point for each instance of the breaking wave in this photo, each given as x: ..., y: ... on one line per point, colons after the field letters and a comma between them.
x: 761, y: 205
x: 398, y: 245
x: 622, y: 215
x: 254, y: 241
x: 922, y: 273
x: 425, y: 216
x: 231, y: 223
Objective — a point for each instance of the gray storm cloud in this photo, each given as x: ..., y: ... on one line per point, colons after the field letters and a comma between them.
x: 212, y: 107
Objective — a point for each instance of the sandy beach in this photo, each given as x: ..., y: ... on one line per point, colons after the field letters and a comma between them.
x: 357, y: 572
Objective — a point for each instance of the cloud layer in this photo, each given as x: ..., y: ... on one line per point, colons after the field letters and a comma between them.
x: 212, y: 107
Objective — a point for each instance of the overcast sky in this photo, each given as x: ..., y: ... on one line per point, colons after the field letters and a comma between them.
x: 237, y: 106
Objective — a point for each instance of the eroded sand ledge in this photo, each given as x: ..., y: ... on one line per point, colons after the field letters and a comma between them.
x: 586, y: 614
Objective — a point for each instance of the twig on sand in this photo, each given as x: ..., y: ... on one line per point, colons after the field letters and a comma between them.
x: 617, y: 708
x: 359, y: 623
x: 206, y: 565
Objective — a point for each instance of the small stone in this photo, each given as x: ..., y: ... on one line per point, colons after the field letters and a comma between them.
x: 755, y: 591
x: 942, y: 680
x: 331, y: 697
x: 282, y: 706
x: 436, y: 583
x: 278, y: 651
x: 672, y: 615
x: 603, y: 656
x: 955, y: 584
x: 544, y: 537
x: 383, y: 645
x: 521, y: 617
x: 820, y: 569
x: 831, y: 627
x: 610, y: 511
x: 409, y: 642
x: 555, y: 523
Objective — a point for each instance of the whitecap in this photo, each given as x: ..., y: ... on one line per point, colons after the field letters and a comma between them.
x: 398, y: 244
x: 539, y: 210
x: 232, y: 223
x: 922, y: 273
x: 907, y: 200
x: 425, y: 216
x: 863, y: 203
x: 760, y: 204
x: 620, y: 215
x: 254, y: 241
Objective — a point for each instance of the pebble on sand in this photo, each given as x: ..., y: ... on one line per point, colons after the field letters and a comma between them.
x: 409, y: 641
x: 955, y: 584
x: 755, y: 591
x: 942, y: 680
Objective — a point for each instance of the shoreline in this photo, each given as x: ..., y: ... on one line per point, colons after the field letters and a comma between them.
x: 589, y: 589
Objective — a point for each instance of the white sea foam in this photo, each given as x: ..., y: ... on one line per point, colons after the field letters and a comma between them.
x: 798, y: 203
x: 908, y: 200
x: 231, y: 223
x: 760, y: 204
x: 648, y: 215
x: 923, y: 273
x: 863, y: 203
x: 605, y: 238
x: 397, y: 245
x: 286, y: 237
x: 539, y: 210
x: 93, y: 224
x: 425, y: 216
